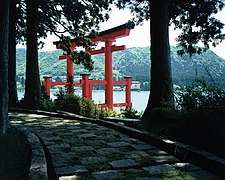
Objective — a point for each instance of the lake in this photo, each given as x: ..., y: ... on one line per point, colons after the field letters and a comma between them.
x: 139, y: 99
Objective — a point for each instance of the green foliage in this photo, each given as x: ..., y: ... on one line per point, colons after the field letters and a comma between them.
x: 201, y: 113
x: 70, y: 85
x: 139, y: 8
x: 202, y: 97
x: 106, y: 112
x: 130, y: 113
x: 87, y: 107
x: 67, y: 102
x: 198, y: 116
x: 191, y: 15
x: 75, y: 104
x: 45, y: 102
x: 84, y: 58
x: 186, y: 16
x: 176, y: 175
x: 78, y: 18
x: 78, y: 57
x: 163, y: 121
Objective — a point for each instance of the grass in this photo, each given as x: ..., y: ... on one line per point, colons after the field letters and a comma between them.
x: 177, y: 175
x: 15, y: 156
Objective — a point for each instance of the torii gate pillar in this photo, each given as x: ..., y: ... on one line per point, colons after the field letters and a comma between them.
x: 69, y: 66
x: 108, y: 74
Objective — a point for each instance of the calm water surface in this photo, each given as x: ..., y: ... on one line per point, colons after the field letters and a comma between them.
x: 138, y: 99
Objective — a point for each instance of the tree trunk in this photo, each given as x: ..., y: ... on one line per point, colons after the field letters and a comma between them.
x: 32, y: 86
x: 4, y: 34
x: 161, y: 90
x: 13, y: 98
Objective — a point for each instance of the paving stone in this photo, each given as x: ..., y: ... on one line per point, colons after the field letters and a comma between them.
x: 137, y: 154
x: 102, y: 137
x: 74, y: 127
x: 17, y: 122
x: 49, y: 142
x: 88, y: 139
x: 143, y: 146
x: 68, y: 170
x: 101, y: 128
x: 38, y: 173
x: 96, y: 143
x: 158, y: 169
x: 86, y: 136
x: 131, y: 140
x: 164, y: 159
x: 186, y: 166
x: 134, y: 173
x: 68, y: 133
x: 38, y: 159
x: 74, y: 177
x: 57, y: 163
x: 54, y: 149
x: 147, y: 178
x: 61, y: 146
x: 79, y: 131
x: 52, y: 138
x: 111, y: 174
x: 92, y: 160
x: 123, y: 163
x: 157, y: 152
x: 106, y: 151
x: 60, y: 160
x: 118, y: 144
x: 82, y: 148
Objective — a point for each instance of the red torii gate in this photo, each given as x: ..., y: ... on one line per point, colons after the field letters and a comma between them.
x: 108, y: 36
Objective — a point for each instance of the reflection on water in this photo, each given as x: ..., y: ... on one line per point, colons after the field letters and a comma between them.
x: 139, y: 99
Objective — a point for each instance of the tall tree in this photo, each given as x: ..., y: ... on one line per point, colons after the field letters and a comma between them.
x: 4, y: 33
x: 32, y: 85
x: 196, y: 21
x: 161, y: 78
x: 13, y: 98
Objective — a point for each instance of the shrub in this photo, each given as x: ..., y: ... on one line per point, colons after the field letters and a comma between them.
x: 201, y: 97
x: 201, y: 110
x: 87, y: 107
x: 75, y: 104
x: 106, y: 112
x: 130, y: 113
x: 46, y: 103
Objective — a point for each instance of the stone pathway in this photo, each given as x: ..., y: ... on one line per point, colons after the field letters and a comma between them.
x: 82, y: 150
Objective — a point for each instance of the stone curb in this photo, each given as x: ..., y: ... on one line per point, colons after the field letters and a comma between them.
x: 38, y: 167
x: 182, y: 151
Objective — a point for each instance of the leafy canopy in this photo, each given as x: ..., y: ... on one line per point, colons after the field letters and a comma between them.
x: 76, y: 18
x: 195, y: 19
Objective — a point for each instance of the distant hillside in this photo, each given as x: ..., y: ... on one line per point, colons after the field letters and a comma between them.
x: 136, y: 63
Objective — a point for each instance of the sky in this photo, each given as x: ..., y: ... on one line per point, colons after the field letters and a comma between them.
x: 139, y: 36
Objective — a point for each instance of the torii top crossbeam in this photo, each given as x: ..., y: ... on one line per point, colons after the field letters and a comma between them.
x: 113, y: 33
x: 108, y: 36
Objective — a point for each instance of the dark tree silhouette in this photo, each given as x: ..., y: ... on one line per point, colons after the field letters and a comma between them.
x: 4, y: 33
x: 32, y: 85
x: 13, y: 98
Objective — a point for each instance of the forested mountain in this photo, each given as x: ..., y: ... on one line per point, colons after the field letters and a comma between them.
x: 136, y: 63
